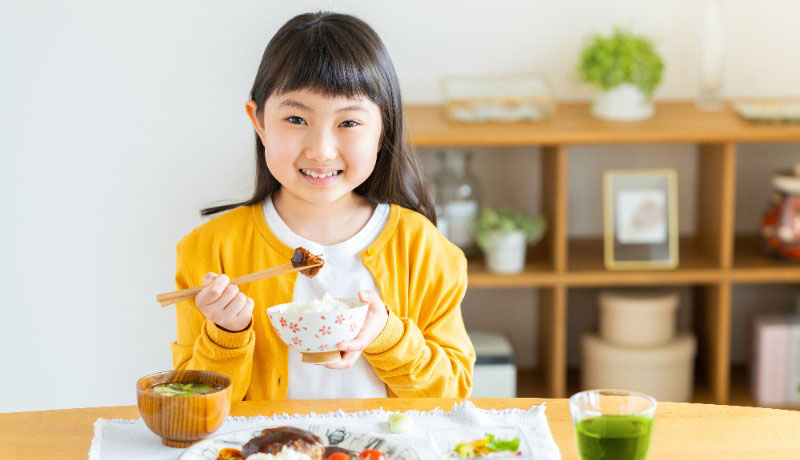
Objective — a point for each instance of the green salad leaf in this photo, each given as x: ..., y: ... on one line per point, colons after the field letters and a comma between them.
x: 498, y: 445
x: 484, y: 446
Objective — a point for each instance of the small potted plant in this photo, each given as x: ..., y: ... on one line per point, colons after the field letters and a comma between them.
x: 504, y: 235
x: 626, y: 68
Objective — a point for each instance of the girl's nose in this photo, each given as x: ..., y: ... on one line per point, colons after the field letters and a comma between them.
x: 321, y: 146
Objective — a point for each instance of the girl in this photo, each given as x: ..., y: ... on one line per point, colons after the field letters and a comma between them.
x: 333, y: 175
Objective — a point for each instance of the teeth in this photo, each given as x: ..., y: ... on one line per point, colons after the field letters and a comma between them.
x: 319, y: 176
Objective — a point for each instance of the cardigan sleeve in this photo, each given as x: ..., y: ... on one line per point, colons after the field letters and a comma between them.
x: 433, y: 356
x: 201, y: 345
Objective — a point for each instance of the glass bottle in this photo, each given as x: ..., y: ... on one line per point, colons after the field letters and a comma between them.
x: 457, y: 199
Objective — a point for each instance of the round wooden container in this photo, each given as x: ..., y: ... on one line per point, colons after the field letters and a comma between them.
x: 183, y: 420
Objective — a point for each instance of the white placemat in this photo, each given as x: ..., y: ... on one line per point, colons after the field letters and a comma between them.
x: 130, y: 439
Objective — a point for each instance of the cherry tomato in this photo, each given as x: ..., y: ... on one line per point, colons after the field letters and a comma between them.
x: 230, y: 454
x: 339, y: 456
x: 371, y: 454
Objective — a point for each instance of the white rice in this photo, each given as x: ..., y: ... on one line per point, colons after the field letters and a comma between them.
x: 286, y: 453
x: 326, y: 304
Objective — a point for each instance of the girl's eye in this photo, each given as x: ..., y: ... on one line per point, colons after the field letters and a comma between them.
x: 349, y: 124
x: 296, y: 120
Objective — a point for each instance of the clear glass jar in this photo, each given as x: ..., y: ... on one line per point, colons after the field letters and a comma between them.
x: 780, y: 226
x: 457, y: 199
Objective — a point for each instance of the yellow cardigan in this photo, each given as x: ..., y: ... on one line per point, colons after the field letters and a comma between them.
x: 423, y: 351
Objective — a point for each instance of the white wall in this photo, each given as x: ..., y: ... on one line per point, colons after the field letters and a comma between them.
x: 120, y: 120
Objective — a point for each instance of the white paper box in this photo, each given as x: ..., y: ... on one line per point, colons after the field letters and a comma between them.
x: 495, y: 374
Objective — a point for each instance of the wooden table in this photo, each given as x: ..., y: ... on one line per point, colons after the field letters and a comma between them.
x: 682, y: 431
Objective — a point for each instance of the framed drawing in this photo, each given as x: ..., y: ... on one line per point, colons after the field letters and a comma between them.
x: 640, y: 219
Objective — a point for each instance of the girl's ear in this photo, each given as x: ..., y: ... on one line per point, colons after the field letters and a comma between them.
x: 258, y: 123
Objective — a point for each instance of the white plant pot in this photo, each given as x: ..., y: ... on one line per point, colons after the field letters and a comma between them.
x: 622, y: 103
x: 507, y: 253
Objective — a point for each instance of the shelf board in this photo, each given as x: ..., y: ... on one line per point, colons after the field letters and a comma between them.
x: 538, y: 272
x: 674, y: 121
x: 587, y: 267
x: 752, y: 265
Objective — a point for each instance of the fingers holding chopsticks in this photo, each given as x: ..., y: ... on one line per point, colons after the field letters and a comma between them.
x: 223, y: 303
x: 308, y: 266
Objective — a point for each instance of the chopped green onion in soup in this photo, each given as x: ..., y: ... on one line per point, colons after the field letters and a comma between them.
x: 184, y: 389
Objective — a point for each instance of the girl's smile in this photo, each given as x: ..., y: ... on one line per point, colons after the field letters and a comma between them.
x: 321, y: 176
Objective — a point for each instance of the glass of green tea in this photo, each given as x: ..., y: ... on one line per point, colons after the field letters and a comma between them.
x: 612, y: 424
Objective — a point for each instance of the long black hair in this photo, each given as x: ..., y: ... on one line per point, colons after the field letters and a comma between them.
x: 340, y: 55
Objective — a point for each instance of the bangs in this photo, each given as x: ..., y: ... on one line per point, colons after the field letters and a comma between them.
x: 328, y: 61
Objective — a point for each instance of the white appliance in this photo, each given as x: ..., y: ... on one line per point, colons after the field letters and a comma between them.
x: 495, y: 373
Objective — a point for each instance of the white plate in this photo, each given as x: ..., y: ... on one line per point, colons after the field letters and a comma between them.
x: 332, y: 435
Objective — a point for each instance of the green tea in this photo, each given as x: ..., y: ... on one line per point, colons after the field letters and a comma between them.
x: 614, y: 437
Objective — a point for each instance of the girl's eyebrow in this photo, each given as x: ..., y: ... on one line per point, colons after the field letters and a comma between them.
x: 353, y: 108
x: 295, y: 104
x: 299, y: 105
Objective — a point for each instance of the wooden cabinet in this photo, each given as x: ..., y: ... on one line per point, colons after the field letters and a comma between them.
x: 712, y: 260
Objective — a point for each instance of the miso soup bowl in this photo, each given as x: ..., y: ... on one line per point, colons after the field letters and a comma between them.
x: 316, y: 334
x: 183, y: 420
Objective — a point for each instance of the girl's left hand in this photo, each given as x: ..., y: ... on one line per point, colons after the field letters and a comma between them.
x: 377, y: 316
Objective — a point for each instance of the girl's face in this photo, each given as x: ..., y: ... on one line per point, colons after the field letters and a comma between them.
x: 319, y: 147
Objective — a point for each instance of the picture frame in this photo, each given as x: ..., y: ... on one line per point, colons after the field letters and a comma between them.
x: 640, y: 219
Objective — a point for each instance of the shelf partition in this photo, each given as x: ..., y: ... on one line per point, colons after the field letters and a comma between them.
x: 554, y: 203
x: 553, y: 339
x: 712, y: 322
x: 716, y: 195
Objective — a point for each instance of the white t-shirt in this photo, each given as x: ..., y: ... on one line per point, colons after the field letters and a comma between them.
x: 343, y: 276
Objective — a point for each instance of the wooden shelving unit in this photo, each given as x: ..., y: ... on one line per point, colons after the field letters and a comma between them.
x: 711, y: 261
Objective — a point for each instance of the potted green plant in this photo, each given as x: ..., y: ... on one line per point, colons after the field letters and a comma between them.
x: 504, y: 235
x: 626, y: 68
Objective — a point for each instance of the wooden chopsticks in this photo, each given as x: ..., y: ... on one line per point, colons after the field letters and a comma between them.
x: 168, y: 298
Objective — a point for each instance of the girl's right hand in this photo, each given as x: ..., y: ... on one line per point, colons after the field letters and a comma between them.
x: 221, y: 302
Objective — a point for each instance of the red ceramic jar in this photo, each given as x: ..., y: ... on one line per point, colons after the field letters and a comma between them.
x: 780, y: 227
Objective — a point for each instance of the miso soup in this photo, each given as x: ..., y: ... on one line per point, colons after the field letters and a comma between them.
x: 184, y: 389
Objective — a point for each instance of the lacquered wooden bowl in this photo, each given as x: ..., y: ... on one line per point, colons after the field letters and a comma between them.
x: 183, y: 420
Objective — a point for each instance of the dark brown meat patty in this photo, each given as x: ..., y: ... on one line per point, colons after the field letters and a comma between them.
x: 273, y: 440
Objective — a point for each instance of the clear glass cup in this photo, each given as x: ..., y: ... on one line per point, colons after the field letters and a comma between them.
x: 612, y: 424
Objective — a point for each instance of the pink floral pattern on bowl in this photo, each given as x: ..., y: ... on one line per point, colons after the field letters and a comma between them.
x: 317, y: 332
